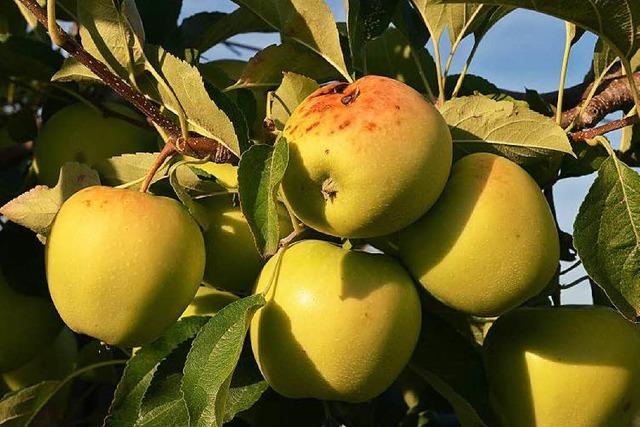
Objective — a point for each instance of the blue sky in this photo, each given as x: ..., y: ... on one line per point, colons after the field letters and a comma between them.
x: 524, y: 50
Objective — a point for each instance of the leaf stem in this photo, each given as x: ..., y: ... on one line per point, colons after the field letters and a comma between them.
x: 458, y: 40
x: 563, y: 71
x: 465, y: 68
x: 52, y: 27
x: 574, y: 283
x: 626, y: 64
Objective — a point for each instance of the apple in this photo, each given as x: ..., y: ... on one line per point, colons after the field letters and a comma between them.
x: 565, y: 366
x: 338, y: 324
x: 79, y: 133
x: 29, y: 324
x: 123, y: 265
x: 208, y: 301
x: 489, y: 244
x: 233, y: 261
x: 54, y: 362
x: 366, y: 158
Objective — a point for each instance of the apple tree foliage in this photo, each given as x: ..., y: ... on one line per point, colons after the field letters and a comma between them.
x: 200, y: 373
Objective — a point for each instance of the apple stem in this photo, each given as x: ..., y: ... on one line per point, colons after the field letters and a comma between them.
x: 166, y: 152
x: 195, y: 145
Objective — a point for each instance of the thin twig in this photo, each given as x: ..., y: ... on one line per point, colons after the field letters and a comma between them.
x: 585, y: 135
x: 166, y: 152
x: 571, y: 268
x: 574, y: 283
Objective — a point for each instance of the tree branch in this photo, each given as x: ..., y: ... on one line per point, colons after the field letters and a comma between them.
x: 584, y: 135
x: 614, y: 94
x: 195, y: 146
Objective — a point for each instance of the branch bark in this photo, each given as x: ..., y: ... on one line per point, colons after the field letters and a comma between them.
x: 584, y: 135
x: 614, y: 94
x: 195, y: 146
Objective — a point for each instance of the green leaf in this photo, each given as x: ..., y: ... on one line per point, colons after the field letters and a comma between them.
x: 291, y: 92
x: 266, y: 67
x: 164, y: 406
x: 587, y: 162
x: 141, y: 368
x: 107, y: 35
x: 19, y: 408
x: 212, y: 360
x: 472, y: 85
x: 367, y: 19
x: 603, y: 58
x: 481, y: 120
x: 467, y: 416
x: 392, y: 55
x: 127, y: 168
x: 37, y: 208
x: 607, y: 234
x: 489, y: 18
x: 222, y: 73
x: 28, y: 58
x: 260, y: 172
x: 242, y: 398
x: 181, y: 178
x: 461, y: 19
x: 308, y: 22
x: 617, y: 21
x: 434, y: 15
x: 185, y: 81
x: 409, y: 22
x: 205, y: 30
x: 72, y: 70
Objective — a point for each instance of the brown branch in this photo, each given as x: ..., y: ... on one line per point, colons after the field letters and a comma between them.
x: 614, y: 94
x: 195, y: 146
x: 584, y: 135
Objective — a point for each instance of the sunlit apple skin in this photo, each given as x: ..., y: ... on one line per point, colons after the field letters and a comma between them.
x: 338, y: 324
x: 233, y: 260
x: 366, y: 159
x: 208, y: 301
x: 123, y: 265
x: 27, y: 325
x: 79, y: 133
x: 571, y: 366
x: 489, y: 243
x: 54, y: 362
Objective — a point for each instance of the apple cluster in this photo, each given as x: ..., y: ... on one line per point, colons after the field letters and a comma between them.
x: 371, y: 160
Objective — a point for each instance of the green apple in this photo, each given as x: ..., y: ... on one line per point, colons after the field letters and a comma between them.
x: 338, y: 324
x: 79, y: 133
x: 366, y: 158
x: 123, y: 265
x: 208, y: 301
x: 490, y: 242
x: 233, y: 261
x: 567, y: 366
x: 29, y: 324
x: 54, y: 362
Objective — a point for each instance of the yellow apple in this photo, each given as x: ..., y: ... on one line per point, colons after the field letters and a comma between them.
x: 208, y: 301
x: 27, y: 325
x: 366, y: 159
x: 79, y: 133
x: 338, y: 324
x: 123, y: 265
x: 54, y: 362
x: 490, y: 242
x: 233, y: 261
x: 568, y: 366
